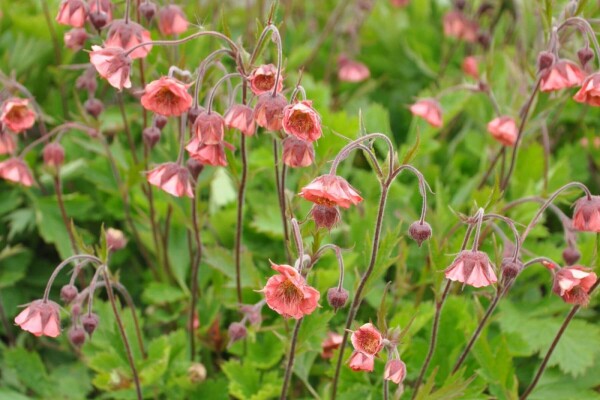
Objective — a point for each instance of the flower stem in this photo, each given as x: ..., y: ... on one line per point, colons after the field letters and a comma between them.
x: 214, y: 89
x: 279, y: 184
x: 63, y: 212
x: 195, y: 268
x: 219, y: 35
x: 57, y: 56
x: 60, y: 266
x: 290, y: 364
x: 126, y: 128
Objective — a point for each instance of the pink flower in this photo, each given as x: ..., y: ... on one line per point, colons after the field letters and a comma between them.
x: 562, y: 75
x: 504, y: 129
x: 106, y: 7
x: 75, y: 38
x: 207, y: 154
x: 586, y: 216
x: 352, y: 70
x: 297, y: 153
x: 15, y: 170
x: 288, y: 293
x: 16, y: 115
x: 241, y: 117
x: 472, y: 268
x: 590, y: 91
x: 457, y: 25
x: 172, y: 20
x: 40, y: 318
x: 268, y: 111
x: 209, y: 128
x: 115, y: 239
x: 172, y: 178
x: 429, y: 110
x: 7, y: 143
x: 262, y: 79
x: 331, y: 190
x: 113, y: 65
x: 331, y: 343
x: 72, y: 12
x: 301, y: 120
x: 470, y: 67
x: 361, y: 362
x: 127, y: 35
x: 573, y: 284
x: 325, y: 216
x: 367, y: 340
x: 395, y: 371
x: 166, y: 96
x: 400, y: 3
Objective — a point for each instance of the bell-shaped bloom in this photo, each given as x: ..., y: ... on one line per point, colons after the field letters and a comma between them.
x: 472, y: 268
x: 470, y: 67
x: 172, y: 20
x: 73, y: 13
x: 288, y: 293
x: 15, y: 170
x: 573, y: 284
x: 331, y: 190
x: 331, y: 343
x: 367, y: 339
x: 268, y: 111
x: 106, y: 7
x: 361, y: 362
x: 586, y: 215
x: 16, y: 115
x: 429, y: 110
x: 352, y: 70
x: 297, y: 153
x: 395, y: 371
x: 301, y: 120
x: 7, y: 143
x: 113, y: 65
x: 458, y: 26
x: 166, y: 96
x: 504, y: 129
x: 75, y: 38
x: 172, y: 178
x: 262, y: 79
x: 207, y: 154
x: 127, y: 35
x: 562, y: 75
x: 590, y: 91
x: 241, y: 117
x: 209, y: 128
x: 40, y: 318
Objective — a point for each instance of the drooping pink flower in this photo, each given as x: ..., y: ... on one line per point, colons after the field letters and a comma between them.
x: 166, y: 96
x: 331, y: 343
x: 40, y: 318
x: 172, y: 20
x: 73, y: 13
x: 288, y: 293
x: 573, y: 284
x: 172, y: 178
x: 209, y: 128
x: 16, y: 115
x: 112, y: 64
x: 7, y: 143
x: 15, y: 170
x: 470, y: 67
x: 262, y: 79
x: 106, y: 7
x: 207, y: 154
x: 590, y: 91
x: 127, y: 35
x: 297, y: 153
x: 504, y: 129
x: 241, y: 117
x: 473, y: 268
x: 457, y: 25
x: 429, y: 110
x: 367, y: 339
x: 75, y: 38
x: 562, y: 75
x: 395, y: 371
x: 331, y: 190
x: 301, y: 120
x: 268, y: 111
x: 352, y: 70
x: 361, y: 362
x: 586, y: 215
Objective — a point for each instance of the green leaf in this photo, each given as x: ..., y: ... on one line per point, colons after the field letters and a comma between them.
x: 13, y: 265
x: 265, y: 352
x: 162, y: 293
x: 29, y: 369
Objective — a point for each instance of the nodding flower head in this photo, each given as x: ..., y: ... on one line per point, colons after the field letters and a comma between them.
x: 75, y: 38
x: 395, y: 371
x: 419, y: 231
x: 68, y: 293
x: 262, y: 79
x: 571, y: 255
x: 40, y: 318
x: 325, y: 216
x: 77, y: 336
x: 16, y: 115
x: 115, y: 239
x: 54, y: 155
x: 351, y: 70
x: 166, y: 96
x: 297, y: 153
x: 302, y: 121
x: 367, y: 340
x: 429, y: 110
x: 585, y: 55
x: 148, y: 9
x: 510, y: 268
x: 545, y: 60
x: 573, y: 284
x: 331, y: 343
x: 268, y: 111
x: 331, y: 190
x: 15, y: 170
x: 590, y: 91
x: 470, y: 67
x: 586, y: 216
x: 113, y: 65
x: 172, y: 20
x: 207, y: 154
x: 73, y: 13
x: 7, y: 143
x: 127, y: 35
x: 472, y: 268
x: 337, y: 297
x: 241, y: 117
x: 209, y: 128
x: 90, y: 323
x: 458, y: 26
x: 361, y: 362
x: 504, y: 129
x: 172, y: 178
x: 237, y: 331
x: 561, y: 75
x: 101, y: 13
x: 288, y: 293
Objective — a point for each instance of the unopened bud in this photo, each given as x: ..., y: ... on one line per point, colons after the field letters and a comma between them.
x: 237, y: 331
x: 510, y: 269
x: 90, y: 323
x: 325, y: 216
x: 94, y: 107
x: 419, y: 231
x: 545, y: 60
x: 68, y: 293
x: 197, y: 373
x: 193, y: 113
x: 151, y: 136
x: 115, y: 239
x: 148, y: 10
x: 99, y: 19
x: 194, y: 167
x: 160, y: 121
x: 77, y: 336
x: 484, y: 39
x: 54, y: 155
x: 585, y: 55
x: 459, y: 4
x: 571, y: 255
x: 337, y: 297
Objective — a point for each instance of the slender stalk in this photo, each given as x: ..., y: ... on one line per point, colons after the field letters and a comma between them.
x: 55, y: 131
x: 126, y: 128
x: 214, y: 89
x: 488, y: 172
x: 239, y: 231
x: 219, y: 35
x: 57, y: 56
x: 7, y: 327
x: 63, y: 211
x: 290, y: 364
x: 386, y: 389
x: 281, y: 199
x: 64, y: 263
x: 195, y: 268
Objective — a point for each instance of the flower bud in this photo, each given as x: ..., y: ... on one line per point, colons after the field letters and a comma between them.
x: 151, y: 136
x: 484, y: 39
x: 75, y: 38
x: 545, y: 60
x: 193, y: 114
x: 419, y: 231
x: 148, y: 10
x: 585, y: 55
x: 337, y: 297
x: 571, y: 255
x: 197, y: 373
x: 325, y: 216
x: 76, y: 310
x: 194, y: 167
x: 87, y: 81
x: 510, y: 269
x: 459, y: 4
x: 115, y: 239
x: 68, y: 293
x: 94, y: 107
x: 90, y: 323
x: 160, y: 121
x: 77, y: 336
x: 237, y: 331
x: 252, y: 313
x: 99, y: 19
x: 54, y: 155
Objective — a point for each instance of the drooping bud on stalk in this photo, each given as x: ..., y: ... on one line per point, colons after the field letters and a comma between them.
x: 237, y: 331
x: 194, y: 167
x: 68, y: 293
x: 94, y: 107
x: 148, y: 10
x: 151, y: 136
x: 75, y: 38
x: 419, y: 231
x: 571, y: 255
x: 325, y: 216
x: 337, y: 297
x: 54, y: 155
x: 99, y: 19
x: 545, y: 60
x: 77, y: 336
x: 193, y: 113
x: 160, y: 121
x: 90, y: 323
x: 510, y: 269
x: 585, y: 55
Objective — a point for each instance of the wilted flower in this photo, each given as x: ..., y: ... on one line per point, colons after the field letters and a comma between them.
x: 16, y: 115
x: 331, y: 190
x: 586, y: 216
x: 561, y: 75
x: 72, y: 12
x: 429, y: 110
x: 75, y: 38
x: 7, y: 143
x: 590, y: 91
x: 241, y: 117
x: 472, y: 268
x: 15, y: 170
x: 113, y: 65
x: 573, y: 284
x: 297, y: 153
x: 262, y: 79
x: 166, y: 96
x: 41, y: 318
x: 504, y: 129
x: 127, y: 35
x: 302, y: 121
x: 268, y: 111
x: 172, y: 20
x: 331, y: 343
x: 352, y: 70
x: 172, y: 178
x: 395, y: 371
